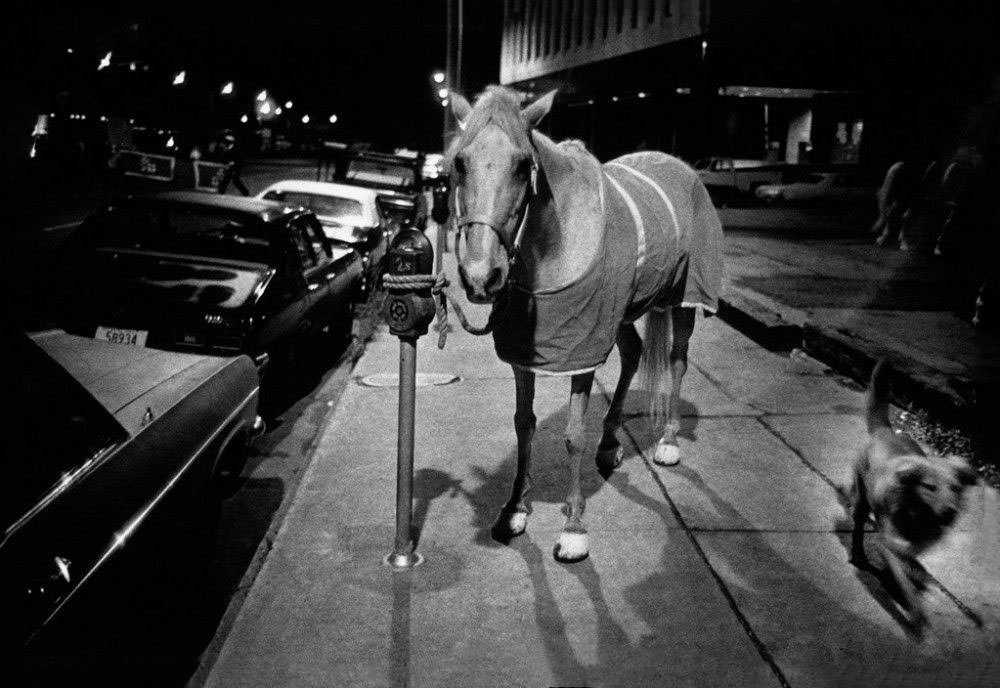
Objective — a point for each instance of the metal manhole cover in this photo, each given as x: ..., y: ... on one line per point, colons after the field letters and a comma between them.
x: 423, y: 379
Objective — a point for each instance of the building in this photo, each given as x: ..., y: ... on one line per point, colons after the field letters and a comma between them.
x: 843, y: 81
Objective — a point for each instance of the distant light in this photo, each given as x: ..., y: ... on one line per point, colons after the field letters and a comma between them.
x: 265, y: 108
x: 103, y: 118
x: 278, y: 110
x: 262, y: 96
x: 333, y: 119
x: 131, y: 121
x: 288, y: 105
x: 444, y: 102
x: 438, y: 77
x: 590, y: 101
x: 614, y: 99
x: 170, y: 142
x: 105, y: 62
x: 69, y: 51
x: 131, y: 66
x: 305, y: 119
x: 442, y: 93
x: 642, y: 94
x: 704, y: 47
x: 179, y: 78
x: 227, y: 88
x: 83, y: 117
x: 52, y: 114
x: 682, y: 90
x: 244, y: 119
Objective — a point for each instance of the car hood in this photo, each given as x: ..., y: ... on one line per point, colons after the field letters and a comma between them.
x: 127, y: 380
x: 161, y: 278
x: 347, y: 230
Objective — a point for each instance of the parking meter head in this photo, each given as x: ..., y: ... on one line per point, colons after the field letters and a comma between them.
x: 411, y: 253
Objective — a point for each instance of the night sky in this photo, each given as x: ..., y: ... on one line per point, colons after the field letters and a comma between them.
x: 369, y: 62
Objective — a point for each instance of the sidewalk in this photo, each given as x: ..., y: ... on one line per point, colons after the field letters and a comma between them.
x: 727, y: 570
x: 848, y: 302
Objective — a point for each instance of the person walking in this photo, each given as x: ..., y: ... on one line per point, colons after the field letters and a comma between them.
x: 231, y: 154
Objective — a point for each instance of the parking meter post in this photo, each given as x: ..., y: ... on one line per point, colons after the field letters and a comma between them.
x: 409, y: 309
x: 403, y: 555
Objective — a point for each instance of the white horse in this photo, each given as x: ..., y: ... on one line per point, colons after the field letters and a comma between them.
x: 571, y: 253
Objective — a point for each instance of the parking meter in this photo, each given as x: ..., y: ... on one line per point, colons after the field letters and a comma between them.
x: 439, y: 207
x: 409, y: 307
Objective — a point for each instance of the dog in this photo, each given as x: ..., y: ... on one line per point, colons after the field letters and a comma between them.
x: 914, y: 498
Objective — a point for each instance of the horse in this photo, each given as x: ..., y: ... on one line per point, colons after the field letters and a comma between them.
x: 571, y: 253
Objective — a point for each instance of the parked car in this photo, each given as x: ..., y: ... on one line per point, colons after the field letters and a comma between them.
x: 728, y: 178
x: 350, y: 216
x: 821, y: 188
x: 391, y: 175
x: 117, y: 449
x: 205, y: 273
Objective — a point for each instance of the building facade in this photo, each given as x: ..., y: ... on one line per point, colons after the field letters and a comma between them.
x: 844, y: 81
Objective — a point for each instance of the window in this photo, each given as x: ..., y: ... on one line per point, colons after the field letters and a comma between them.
x: 60, y: 428
x: 303, y: 245
x: 328, y: 206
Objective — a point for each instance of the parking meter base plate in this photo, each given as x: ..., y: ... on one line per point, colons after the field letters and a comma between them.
x: 402, y: 561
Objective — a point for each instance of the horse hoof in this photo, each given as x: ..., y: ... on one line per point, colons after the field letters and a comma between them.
x: 609, y: 459
x: 667, y: 454
x: 509, y: 526
x: 571, y: 548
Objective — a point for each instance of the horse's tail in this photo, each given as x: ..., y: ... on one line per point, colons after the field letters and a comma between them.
x: 654, y: 364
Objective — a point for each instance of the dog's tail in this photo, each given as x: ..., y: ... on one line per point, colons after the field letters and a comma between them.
x: 877, y: 402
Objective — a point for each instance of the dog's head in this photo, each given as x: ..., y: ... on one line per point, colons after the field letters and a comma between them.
x: 933, y: 488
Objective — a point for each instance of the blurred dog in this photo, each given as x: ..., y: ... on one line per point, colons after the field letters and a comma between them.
x: 914, y: 498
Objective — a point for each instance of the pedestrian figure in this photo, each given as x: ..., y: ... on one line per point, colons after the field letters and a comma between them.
x: 231, y: 154
x: 957, y: 199
x: 894, y: 199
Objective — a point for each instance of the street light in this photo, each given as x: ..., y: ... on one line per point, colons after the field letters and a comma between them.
x: 442, y: 93
x: 105, y: 62
x: 262, y: 96
x: 227, y: 88
x: 179, y: 78
x: 288, y: 105
x: 278, y: 110
x: 244, y: 119
x: 438, y: 77
x: 305, y: 119
x: 333, y: 119
x: 265, y: 108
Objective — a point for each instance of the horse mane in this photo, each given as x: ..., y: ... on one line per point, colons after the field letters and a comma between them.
x: 496, y: 105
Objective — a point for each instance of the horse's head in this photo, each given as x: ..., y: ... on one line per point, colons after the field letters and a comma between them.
x: 492, y: 165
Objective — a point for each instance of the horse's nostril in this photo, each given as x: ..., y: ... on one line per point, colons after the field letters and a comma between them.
x: 493, y: 279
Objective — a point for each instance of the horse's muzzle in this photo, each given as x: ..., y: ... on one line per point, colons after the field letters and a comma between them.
x: 482, y: 286
x: 484, y: 267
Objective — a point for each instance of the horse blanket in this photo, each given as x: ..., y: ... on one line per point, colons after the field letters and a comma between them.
x: 660, y: 244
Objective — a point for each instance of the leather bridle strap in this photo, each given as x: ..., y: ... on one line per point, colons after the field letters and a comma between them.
x: 520, y: 215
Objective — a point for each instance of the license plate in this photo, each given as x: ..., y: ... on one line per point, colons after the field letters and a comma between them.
x: 117, y: 335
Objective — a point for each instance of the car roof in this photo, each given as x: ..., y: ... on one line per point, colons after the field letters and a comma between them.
x: 356, y: 193
x: 268, y: 211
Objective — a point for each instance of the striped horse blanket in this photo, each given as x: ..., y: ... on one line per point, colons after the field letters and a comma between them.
x: 660, y: 244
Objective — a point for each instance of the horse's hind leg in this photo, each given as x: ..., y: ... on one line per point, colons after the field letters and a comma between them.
x: 572, y: 545
x: 514, y: 516
x: 682, y: 325
x: 609, y: 452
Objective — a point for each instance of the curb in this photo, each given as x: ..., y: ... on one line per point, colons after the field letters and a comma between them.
x: 947, y: 398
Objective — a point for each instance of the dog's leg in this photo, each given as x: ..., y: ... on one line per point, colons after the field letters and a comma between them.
x: 514, y: 516
x: 572, y: 545
x: 899, y: 567
x: 609, y: 452
x: 668, y: 451
x: 860, y: 510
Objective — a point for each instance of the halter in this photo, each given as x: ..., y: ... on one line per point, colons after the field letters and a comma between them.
x: 520, y: 212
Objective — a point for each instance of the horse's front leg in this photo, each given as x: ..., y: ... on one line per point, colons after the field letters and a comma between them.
x: 609, y: 452
x: 572, y: 544
x: 668, y: 451
x: 514, y: 516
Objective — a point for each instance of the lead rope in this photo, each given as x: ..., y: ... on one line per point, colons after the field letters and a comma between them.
x: 437, y: 284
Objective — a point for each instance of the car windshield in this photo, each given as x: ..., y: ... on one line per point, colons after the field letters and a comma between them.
x: 184, y: 230
x: 328, y: 207
x: 383, y: 174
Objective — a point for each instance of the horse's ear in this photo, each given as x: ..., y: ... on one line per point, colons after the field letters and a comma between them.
x: 533, y: 114
x: 461, y: 108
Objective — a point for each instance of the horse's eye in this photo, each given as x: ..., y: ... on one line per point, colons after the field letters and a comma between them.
x: 459, y: 165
